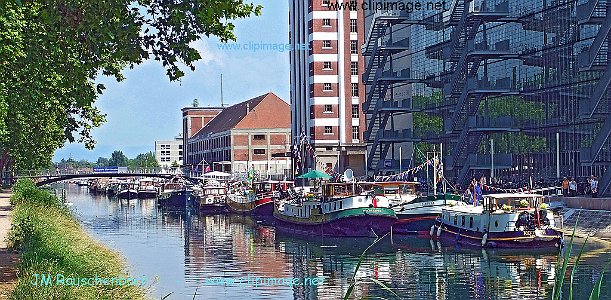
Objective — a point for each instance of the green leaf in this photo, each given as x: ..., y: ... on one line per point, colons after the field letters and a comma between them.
x: 575, y: 264
x: 381, y: 284
x: 557, y: 291
x: 595, y: 294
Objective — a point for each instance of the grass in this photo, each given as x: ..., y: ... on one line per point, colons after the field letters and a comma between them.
x: 51, y: 241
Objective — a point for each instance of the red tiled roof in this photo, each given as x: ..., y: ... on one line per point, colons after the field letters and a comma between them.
x: 231, y: 116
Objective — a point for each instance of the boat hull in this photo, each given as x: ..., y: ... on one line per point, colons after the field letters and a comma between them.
x: 147, y: 194
x: 419, y: 224
x: 417, y: 217
x: 175, y: 199
x: 546, y: 238
x: 357, y: 222
x: 263, y: 207
x: 213, y: 208
x: 127, y: 194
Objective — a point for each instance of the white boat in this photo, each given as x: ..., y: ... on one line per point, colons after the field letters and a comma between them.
x: 212, y: 199
x: 147, y: 188
x: 342, y: 209
x: 128, y: 190
x: 502, y: 221
x: 415, y: 213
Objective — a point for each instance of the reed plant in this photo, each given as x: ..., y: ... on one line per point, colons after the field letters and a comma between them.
x: 51, y: 241
x: 562, y: 266
x: 354, y: 282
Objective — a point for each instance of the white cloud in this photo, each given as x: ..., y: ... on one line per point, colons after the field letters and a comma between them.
x: 204, y: 49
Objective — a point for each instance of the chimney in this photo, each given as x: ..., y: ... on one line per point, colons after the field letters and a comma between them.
x: 247, y: 107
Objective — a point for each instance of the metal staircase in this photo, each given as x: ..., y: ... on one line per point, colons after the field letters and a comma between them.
x: 604, y: 184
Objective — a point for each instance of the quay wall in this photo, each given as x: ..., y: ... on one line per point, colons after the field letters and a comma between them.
x: 587, y: 203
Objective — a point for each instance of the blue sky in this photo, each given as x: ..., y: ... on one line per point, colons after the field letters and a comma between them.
x: 146, y: 106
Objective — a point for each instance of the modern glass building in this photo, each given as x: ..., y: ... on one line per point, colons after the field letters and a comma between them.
x: 512, y: 89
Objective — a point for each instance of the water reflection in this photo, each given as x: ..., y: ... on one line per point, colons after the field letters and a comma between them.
x: 185, y: 251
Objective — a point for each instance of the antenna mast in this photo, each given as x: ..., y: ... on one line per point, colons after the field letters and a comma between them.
x: 222, y: 105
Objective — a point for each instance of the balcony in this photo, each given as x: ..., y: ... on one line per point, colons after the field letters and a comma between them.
x: 490, y: 124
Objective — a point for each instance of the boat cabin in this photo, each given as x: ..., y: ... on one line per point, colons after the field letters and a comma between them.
x: 213, y: 191
x: 501, y: 212
x: 335, y: 197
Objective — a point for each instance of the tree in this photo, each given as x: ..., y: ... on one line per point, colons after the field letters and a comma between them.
x: 118, y: 159
x: 102, y: 162
x: 144, y: 160
x: 175, y: 164
x: 52, y: 52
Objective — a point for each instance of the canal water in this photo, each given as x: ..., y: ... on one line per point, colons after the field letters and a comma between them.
x: 233, y: 257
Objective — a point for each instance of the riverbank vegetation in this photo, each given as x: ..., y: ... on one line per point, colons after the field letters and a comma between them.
x: 51, y: 241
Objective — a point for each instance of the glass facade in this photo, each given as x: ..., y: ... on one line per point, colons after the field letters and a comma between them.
x: 526, y: 80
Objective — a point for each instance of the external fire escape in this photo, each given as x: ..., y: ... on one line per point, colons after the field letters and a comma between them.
x: 465, y: 91
x: 596, y: 57
x: 377, y: 107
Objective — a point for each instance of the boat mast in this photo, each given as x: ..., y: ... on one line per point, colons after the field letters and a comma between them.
x: 434, y: 170
x: 441, y: 167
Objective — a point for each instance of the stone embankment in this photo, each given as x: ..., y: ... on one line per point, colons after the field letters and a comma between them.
x: 593, y: 216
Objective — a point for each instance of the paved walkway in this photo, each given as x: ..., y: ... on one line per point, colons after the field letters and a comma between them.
x: 8, y: 259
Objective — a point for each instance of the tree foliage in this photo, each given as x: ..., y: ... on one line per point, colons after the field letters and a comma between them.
x: 52, y: 52
x: 144, y: 160
x: 118, y: 159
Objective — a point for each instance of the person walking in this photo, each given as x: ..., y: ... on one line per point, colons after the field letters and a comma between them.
x: 573, y: 187
x: 594, y: 186
x: 565, y: 187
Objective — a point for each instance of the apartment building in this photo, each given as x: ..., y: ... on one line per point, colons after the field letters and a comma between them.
x: 326, y: 90
x: 513, y: 89
x: 169, y: 153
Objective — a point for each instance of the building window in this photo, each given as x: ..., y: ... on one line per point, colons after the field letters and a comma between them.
x: 259, y: 151
x: 354, y: 68
x: 328, y: 130
x: 180, y: 147
x: 353, y: 5
x: 326, y: 87
x: 355, y: 132
x: 258, y: 137
x: 353, y: 47
x: 355, y: 90
x: 326, y: 65
x: 326, y: 22
x: 165, y: 147
x: 355, y: 110
x: 328, y: 108
x: 352, y: 25
x: 326, y: 44
x: 179, y: 153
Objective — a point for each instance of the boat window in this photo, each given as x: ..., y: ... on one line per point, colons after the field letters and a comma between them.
x: 340, y: 204
x: 390, y: 191
x: 496, y: 223
x: 463, y: 220
x: 334, y: 205
x: 455, y: 220
x: 470, y: 222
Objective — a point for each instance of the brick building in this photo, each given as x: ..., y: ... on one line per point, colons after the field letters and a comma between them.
x: 245, y: 135
x: 326, y: 90
x: 193, y: 120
